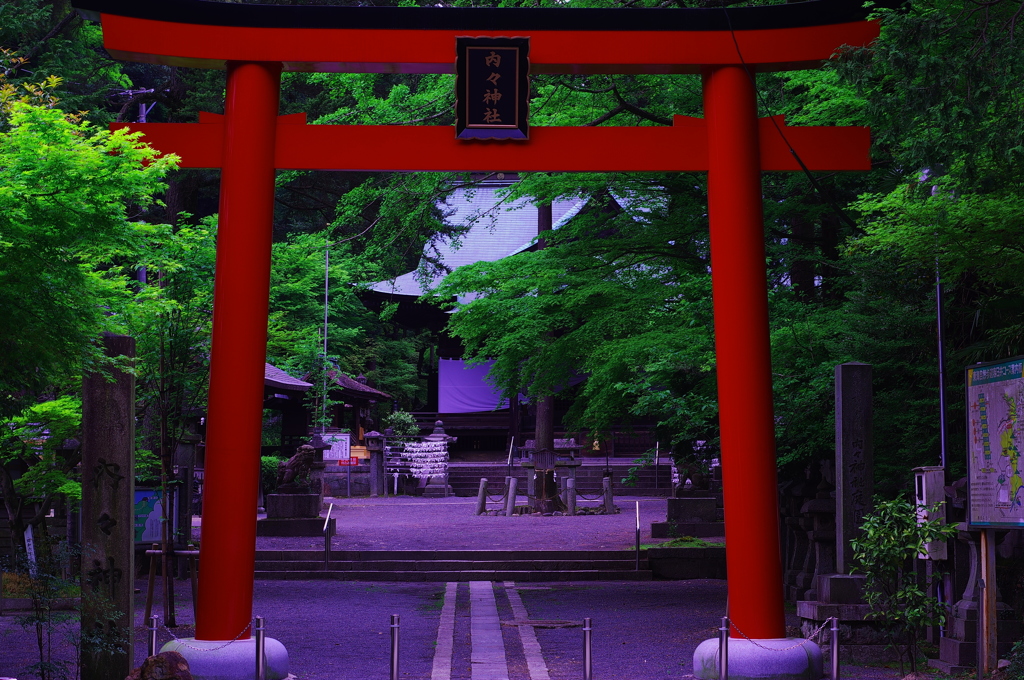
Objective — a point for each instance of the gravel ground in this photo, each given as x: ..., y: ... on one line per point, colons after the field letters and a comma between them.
x: 336, y: 630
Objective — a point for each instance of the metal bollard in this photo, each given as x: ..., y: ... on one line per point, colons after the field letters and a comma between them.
x: 481, y: 497
x: 261, y: 649
x: 835, y: 648
x: 510, y: 503
x: 394, y: 647
x: 723, y: 650
x: 151, y: 647
x: 570, y: 503
x: 588, y: 657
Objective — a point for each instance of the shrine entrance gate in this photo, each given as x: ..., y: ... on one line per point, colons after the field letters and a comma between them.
x: 255, y: 43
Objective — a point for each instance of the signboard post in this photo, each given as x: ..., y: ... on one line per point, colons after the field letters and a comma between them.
x: 995, y: 395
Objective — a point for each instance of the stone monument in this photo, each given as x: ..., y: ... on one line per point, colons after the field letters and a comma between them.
x: 836, y: 592
x: 295, y: 509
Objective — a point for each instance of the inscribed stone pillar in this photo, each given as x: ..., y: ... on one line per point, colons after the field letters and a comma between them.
x: 108, y: 527
x: 854, y: 456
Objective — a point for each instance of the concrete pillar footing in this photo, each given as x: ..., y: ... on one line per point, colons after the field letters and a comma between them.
x: 784, y: 659
x: 215, y: 660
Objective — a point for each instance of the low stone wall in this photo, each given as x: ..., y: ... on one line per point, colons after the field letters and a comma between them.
x: 677, y: 564
x: 336, y: 480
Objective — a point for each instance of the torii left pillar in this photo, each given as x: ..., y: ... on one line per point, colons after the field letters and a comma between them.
x: 235, y: 408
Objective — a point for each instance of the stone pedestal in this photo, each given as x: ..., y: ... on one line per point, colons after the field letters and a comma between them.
x: 860, y: 641
x: 292, y: 514
x: 698, y: 516
x: 437, y: 487
x: 958, y: 648
x: 841, y: 595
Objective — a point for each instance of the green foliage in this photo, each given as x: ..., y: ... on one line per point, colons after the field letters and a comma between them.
x: 886, y: 552
x: 34, y: 440
x: 65, y: 195
x: 1015, y: 669
x: 268, y: 472
x: 402, y: 424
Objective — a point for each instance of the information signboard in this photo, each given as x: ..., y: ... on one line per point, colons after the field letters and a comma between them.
x: 995, y: 396
x: 340, y: 446
x: 149, y: 509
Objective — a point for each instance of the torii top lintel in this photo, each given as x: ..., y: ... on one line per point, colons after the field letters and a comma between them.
x: 199, y: 34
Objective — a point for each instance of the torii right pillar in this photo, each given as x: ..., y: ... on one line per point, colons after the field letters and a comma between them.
x: 746, y: 414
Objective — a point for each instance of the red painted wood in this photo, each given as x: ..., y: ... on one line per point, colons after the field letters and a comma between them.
x: 743, y: 355
x: 239, y: 349
x: 433, y: 51
x: 680, y: 148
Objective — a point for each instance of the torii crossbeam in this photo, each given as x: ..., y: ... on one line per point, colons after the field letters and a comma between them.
x: 250, y: 142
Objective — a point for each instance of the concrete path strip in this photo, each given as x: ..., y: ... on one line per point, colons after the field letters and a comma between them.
x: 531, y: 647
x: 487, y: 658
x: 442, y: 668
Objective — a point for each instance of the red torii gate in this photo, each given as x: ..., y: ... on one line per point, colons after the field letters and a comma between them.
x: 250, y: 141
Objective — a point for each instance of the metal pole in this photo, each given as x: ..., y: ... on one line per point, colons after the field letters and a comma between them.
x: 261, y: 655
x: 942, y: 366
x: 723, y: 650
x: 151, y: 649
x: 835, y: 648
x: 394, y: 647
x: 588, y: 656
x: 638, y: 535
x: 327, y: 537
x: 657, y: 456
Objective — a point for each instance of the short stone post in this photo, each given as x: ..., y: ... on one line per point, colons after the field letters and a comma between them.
x: 481, y: 497
x: 609, y: 501
x: 570, y: 496
x: 377, y: 480
x: 510, y: 502
x: 108, y: 534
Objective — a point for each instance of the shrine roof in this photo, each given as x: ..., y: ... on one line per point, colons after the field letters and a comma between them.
x: 197, y: 34
x: 496, y: 229
x: 278, y: 379
x: 352, y: 388
x: 789, y: 15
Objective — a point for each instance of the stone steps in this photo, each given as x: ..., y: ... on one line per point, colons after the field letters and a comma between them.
x: 452, y: 565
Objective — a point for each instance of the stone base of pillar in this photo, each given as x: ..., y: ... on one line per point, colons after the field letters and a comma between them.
x: 212, y: 660
x: 779, y: 659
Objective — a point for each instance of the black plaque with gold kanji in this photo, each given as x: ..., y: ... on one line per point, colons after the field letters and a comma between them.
x: 492, y: 88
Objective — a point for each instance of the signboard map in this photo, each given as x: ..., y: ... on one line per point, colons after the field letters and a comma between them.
x: 340, y: 447
x: 995, y: 438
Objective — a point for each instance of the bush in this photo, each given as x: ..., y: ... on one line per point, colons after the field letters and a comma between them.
x: 402, y: 424
x: 268, y: 472
x: 886, y: 551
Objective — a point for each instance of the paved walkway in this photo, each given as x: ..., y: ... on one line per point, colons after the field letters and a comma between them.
x: 339, y: 630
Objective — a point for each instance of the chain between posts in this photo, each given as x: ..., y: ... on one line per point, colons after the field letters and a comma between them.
x: 809, y: 638
x: 500, y: 499
x: 210, y: 649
